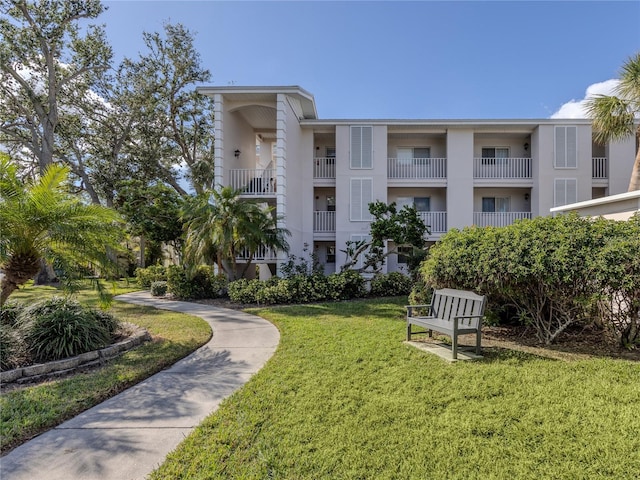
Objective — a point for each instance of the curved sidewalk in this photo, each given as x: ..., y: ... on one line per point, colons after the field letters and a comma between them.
x: 129, y: 435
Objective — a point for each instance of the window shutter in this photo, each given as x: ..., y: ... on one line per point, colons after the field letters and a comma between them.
x: 566, y: 147
x: 565, y: 191
x: 361, y: 147
x: 361, y: 197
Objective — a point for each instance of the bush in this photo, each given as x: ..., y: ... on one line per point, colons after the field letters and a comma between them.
x: 58, y: 328
x: 244, y: 291
x: 9, y: 313
x: 12, y: 348
x: 202, y: 283
x: 158, y: 289
x: 346, y: 285
x: 553, y: 270
x: 390, y: 285
x: 154, y: 273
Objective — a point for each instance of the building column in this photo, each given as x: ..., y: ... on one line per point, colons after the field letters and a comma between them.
x: 218, y: 144
x: 281, y: 166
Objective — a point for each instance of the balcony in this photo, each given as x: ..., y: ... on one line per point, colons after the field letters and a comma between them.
x: 253, y: 182
x: 502, y: 168
x: 324, y: 222
x: 324, y: 168
x: 263, y: 254
x: 599, y: 168
x: 417, y: 168
x: 436, y: 221
x: 498, y: 219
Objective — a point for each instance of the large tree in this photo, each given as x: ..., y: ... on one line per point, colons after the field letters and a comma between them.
x: 48, y: 60
x: 41, y: 220
x: 221, y: 226
x: 615, y: 117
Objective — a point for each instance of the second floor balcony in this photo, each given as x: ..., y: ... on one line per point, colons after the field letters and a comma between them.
x: 324, y: 168
x: 324, y: 222
x: 502, y: 168
x: 599, y: 168
x: 253, y: 182
x: 417, y: 168
x: 436, y: 221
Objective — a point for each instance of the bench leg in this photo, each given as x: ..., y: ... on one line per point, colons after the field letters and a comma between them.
x: 478, y: 338
x: 408, y: 332
x: 454, y: 346
x: 430, y: 333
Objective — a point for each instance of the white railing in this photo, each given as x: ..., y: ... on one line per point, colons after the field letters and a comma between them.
x: 502, y: 168
x: 252, y: 181
x: 324, y: 167
x: 261, y: 255
x: 498, y: 219
x: 436, y: 221
x: 417, y: 168
x: 599, y: 168
x: 324, y: 222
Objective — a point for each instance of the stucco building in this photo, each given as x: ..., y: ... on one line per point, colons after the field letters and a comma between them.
x: 321, y: 174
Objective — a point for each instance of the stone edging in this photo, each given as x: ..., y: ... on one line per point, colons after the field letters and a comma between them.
x: 40, y: 371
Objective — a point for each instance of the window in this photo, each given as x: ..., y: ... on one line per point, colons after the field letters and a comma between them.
x: 413, y: 155
x: 331, y: 254
x: 330, y: 155
x: 331, y: 203
x: 490, y: 154
x: 566, y: 147
x: 421, y: 204
x: 403, y: 253
x: 565, y: 191
x: 361, y: 147
x: 496, y: 204
x: 361, y: 197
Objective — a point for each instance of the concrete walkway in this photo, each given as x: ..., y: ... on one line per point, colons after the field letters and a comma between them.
x: 129, y: 435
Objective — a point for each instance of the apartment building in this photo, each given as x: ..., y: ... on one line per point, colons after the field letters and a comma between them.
x: 321, y: 174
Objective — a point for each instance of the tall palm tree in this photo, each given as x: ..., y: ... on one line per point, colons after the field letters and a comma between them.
x: 616, y: 117
x: 221, y: 226
x: 41, y: 220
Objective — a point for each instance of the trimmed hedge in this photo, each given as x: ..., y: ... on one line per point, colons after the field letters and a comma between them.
x: 202, y: 283
x: 154, y: 273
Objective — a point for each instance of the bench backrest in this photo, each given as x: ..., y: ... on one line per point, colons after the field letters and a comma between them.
x: 448, y: 303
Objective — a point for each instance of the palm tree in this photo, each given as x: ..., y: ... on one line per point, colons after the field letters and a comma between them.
x: 41, y: 220
x: 615, y: 117
x: 221, y: 226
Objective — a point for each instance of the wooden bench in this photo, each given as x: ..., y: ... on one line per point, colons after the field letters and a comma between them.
x: 452, y: 312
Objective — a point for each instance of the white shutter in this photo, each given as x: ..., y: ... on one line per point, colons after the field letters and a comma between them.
x: 361, y: 147
x: 361, y: 197
x: 565, y: 191
x: 566, y: 147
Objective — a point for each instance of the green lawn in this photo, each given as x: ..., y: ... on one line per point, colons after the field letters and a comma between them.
x: 30, y: 411
x: 344, y: 398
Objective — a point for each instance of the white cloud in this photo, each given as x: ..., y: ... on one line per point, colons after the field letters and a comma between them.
x: 575, y: 108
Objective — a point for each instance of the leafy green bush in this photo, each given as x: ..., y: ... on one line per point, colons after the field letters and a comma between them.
x: 202, y: 283
x: 158, y: 289
x: 390, y: 285
x: 12, y: 348
x: 346, y: 285
x: 551, y: 269
x: 154, y: 273
x: 57, y: 328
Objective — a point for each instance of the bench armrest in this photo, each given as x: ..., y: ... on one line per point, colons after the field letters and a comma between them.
x: 411, y: 307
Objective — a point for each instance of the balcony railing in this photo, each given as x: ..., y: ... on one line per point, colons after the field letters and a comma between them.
x: 434, y: 168
x: 324, y: 167
x: 436, y: 221
x: 498, y: 219
x: 253, y: 181
x: 324, y: 222
x: 599, y: 168
x: 263, y: 254
x: 503, y: 168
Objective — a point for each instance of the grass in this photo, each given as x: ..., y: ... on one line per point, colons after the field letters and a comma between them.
x: 27, y: 412
x: 344, y: 398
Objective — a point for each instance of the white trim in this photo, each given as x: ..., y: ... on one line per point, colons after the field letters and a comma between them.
x: 599, y: 201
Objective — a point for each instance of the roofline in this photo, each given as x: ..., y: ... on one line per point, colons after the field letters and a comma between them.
x: 599, y: 201
x: 305, y: 97
x: 454, y: 122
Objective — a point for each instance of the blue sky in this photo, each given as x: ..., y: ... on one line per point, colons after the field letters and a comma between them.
x: 418, y: 59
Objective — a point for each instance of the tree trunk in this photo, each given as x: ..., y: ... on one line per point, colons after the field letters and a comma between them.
x: 46, y: 275
x: 7, y: 287
x: 142, y: 248
x: 634, y: 183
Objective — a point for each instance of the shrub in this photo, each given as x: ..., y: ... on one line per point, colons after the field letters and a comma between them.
x: 158, y: 289
x: 346, y: 285
x: 420, y: 294
x: 244, y: 291
x: 154, y: 273
x: 9, y: 313
x: 58, y: 328
x: 12, y: 348
x: 202, y: 283
x: 390, y: 285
